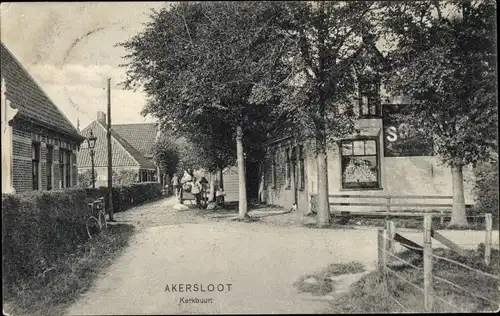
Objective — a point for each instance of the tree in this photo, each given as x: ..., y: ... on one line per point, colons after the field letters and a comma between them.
x: 203, y: 62
x: 327, y: 36
x: 85, y: 178
x: 166, y: 154
x: 444, y: 60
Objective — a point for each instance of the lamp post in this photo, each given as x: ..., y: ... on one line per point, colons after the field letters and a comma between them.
x: 91, y: 141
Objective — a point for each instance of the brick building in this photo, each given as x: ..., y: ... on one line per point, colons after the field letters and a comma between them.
x: 39, y: 143
x: 132, y: 150
x: 385, y: 159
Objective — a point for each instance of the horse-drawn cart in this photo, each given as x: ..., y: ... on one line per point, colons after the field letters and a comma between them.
x: 188, y: 196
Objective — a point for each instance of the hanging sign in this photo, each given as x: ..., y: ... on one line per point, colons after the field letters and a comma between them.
x: 402, y: 138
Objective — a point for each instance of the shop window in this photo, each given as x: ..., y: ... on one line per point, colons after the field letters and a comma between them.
x: 360, y: 163
x: 35, y: 165
x: 369, y: 99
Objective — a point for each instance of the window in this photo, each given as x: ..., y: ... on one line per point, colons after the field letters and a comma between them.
x: 50, y: 157
x: 65, y: 168
x: 273, y: 171
x: 360, y: 163
x: 302, y: 183
x: 68, y: 168
x: 143, y: 176
x: 288, y: 169
x: 369, y: 99
x: 61, y: 168
x: 35, y: 165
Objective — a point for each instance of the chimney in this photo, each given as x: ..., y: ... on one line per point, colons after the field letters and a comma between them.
x: 101, y: 117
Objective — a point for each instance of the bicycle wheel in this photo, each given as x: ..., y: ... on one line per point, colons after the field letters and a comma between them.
x: 93, y: 227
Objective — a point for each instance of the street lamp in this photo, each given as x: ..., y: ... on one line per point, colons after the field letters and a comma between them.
x: 91, y: 142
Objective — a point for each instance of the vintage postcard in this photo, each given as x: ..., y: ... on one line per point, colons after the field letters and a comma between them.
x: 274, y: 157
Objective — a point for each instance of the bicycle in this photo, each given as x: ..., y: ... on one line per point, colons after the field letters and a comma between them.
x: 97, y: 221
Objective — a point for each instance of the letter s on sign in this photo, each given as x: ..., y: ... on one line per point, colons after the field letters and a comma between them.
x: 392, y: 135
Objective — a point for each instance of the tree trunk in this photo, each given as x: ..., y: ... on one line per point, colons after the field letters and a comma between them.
x: 221, y: 182
x: 241, y: 174
x: 322, y: 203
x: 211, y: 198
x: 221, y: 178
x: 458, y: 217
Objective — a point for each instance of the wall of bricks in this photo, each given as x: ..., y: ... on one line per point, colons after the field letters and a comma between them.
x: 22, y: 141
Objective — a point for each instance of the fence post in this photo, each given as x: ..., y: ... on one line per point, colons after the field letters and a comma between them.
x: 441, y: 217
x: 381, y: 244
x: 488, y: 239
x: 428, y: 289
x: 391, y: 230
x: 388, y: 204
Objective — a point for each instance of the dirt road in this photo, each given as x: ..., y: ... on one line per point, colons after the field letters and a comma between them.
x: 259, y: 261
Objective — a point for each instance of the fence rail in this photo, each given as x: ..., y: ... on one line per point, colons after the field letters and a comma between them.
x: 391, y: 201
x: 387, y: 257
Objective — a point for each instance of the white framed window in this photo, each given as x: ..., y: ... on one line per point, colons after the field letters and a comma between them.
x: 360, y: 163
x: 369, y: 99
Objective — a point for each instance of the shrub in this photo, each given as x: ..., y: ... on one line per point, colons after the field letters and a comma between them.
x: 85, y: 179
x: 486, y: 189
x: 40, y: 227
x: 124, y: 177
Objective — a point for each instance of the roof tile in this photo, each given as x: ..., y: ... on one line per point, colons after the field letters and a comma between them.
x: 141, y: 136
x: 124, y: 154
x: 29, y: 98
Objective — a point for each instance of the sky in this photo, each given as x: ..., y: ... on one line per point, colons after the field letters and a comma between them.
x: 69, y: 48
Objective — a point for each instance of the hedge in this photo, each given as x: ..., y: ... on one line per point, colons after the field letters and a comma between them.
x: 41, y: 227
x: 486, y: 189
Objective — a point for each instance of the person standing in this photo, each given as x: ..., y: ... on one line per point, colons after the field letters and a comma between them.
x: 196, y: 191
x: 219, y: 196
x: 176, y: 185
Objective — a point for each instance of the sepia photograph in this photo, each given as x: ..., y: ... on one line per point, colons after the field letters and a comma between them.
x: 249, y: 157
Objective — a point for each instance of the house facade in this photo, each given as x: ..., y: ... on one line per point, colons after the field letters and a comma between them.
x: 384, y: 160
x: 39, y: 143
x: 132, y: 151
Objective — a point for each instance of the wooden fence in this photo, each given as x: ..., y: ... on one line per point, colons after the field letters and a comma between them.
x: 388, y: 237
x: 387, y: 203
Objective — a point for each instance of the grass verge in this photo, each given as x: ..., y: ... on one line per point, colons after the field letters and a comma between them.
x: 333, y: 225
x: 52, y: 292
x: 371, y: 293
x: 322, y: 282
x: 413, y: 223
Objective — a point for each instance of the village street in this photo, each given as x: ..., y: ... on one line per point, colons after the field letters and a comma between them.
x: 260, y: 262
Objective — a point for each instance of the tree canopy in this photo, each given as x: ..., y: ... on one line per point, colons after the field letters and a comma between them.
x: 444, y: 60
x: 205, y: 67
